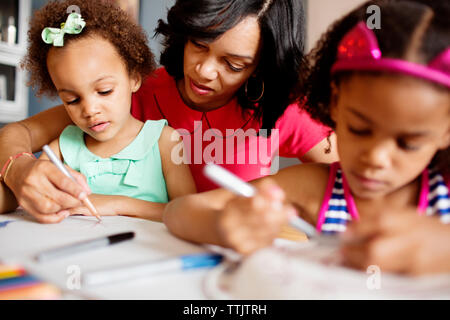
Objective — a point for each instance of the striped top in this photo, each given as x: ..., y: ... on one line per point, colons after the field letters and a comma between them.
x: 338, y: 207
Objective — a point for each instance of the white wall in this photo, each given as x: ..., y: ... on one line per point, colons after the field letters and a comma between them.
x: 150, y: 12
x: 321, y: 13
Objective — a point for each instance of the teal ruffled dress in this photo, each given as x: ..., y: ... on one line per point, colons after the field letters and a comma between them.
x: 135, y: 171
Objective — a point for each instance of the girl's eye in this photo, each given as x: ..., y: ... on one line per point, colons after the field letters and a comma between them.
x: 233, y: 68
x: 104, y: 93
x: 358, y: 132
x: 73, y: 101
x: 406, y: 146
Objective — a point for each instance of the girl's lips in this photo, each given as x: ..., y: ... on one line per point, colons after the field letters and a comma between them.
x: 370, y: 184
x: 100, y: 127
x: 199, y: 89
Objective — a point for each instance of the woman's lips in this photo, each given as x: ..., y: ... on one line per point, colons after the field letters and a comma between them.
x: 199, y: 89
x: 99, y: 127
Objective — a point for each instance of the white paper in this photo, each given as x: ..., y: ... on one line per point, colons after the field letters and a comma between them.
x: 306, y: 271
x: 21, y: 238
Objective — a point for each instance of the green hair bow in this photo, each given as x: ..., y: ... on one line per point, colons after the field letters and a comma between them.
x: 73, y: 25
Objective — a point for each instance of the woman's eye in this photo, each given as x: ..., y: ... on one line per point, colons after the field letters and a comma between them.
x: 198, y: 45
x: 359, y: 132
x: 234, y: 68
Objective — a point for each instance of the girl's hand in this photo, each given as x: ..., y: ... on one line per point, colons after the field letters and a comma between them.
x: 44, y: 191
x: 248, y: 224
x: 106, y: 205
x: 399, y: 242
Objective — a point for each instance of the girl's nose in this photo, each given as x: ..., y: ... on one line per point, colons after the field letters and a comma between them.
x: 207, y: 69
x: 90, y: 108
x: 378, y: 155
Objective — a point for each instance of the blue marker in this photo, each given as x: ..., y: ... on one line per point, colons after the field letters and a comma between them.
x: 182, y: 263
x: 5, y: 223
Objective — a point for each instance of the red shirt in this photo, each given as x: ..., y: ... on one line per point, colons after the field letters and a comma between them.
x: 212, y: 136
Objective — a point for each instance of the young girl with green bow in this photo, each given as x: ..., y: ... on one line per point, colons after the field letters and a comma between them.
x: 94, y: 63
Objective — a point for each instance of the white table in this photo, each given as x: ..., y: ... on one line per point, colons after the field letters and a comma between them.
x: 22, y: 238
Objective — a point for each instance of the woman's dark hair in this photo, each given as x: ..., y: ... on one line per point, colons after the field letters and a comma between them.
x: 409, y: 28
x: 282, y: 56
x: 102, y: 18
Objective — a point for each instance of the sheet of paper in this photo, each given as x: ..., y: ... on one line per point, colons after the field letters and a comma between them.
x: 306, y: 271
x: 21, y: 238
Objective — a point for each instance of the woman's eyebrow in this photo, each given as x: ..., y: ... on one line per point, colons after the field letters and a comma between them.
x: 238, y: 56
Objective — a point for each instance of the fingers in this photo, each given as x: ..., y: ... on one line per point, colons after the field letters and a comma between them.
x: 59, y: 198
x: 81, y: 180
x: 390, y: 254
x: 51, y: 218
x: 387, y: 240
x: 249, y: 224
x: 65, y: 184
x: 386, y: 222
x: 79, y: 211
x: 43, y: 190
x: 271, y: 190
x: 36, y: 203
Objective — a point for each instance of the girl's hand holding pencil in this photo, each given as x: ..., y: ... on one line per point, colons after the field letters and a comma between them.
x: 61, y: 167
x: 250, y: 223
x: 46, y: 193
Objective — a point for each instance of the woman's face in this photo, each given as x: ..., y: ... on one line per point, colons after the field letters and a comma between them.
x: 213, y: 72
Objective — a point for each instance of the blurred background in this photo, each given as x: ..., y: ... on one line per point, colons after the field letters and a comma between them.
x: 17, y: 101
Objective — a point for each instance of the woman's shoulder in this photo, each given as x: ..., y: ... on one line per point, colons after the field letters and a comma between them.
x: 296, y: 114
x: 298, y: 132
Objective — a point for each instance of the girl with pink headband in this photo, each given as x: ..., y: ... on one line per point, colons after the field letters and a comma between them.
x: 386, y: 94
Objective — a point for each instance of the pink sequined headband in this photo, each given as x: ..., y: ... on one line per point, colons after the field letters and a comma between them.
x: 359, y: 51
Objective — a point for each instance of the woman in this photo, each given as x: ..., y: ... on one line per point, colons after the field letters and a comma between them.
x: 229, y: 65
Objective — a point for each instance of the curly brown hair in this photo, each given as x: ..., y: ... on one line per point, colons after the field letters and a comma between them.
x: 102, y: 18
